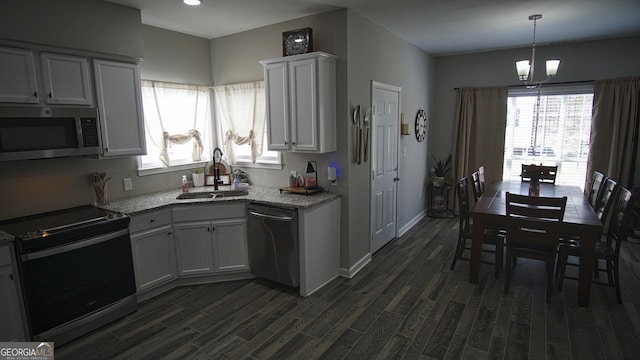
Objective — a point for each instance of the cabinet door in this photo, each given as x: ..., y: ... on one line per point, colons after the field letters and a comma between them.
x: 194, y: 248
x: 153, y: 257
x: 277, y: 106
x: 230, y: 241
x: 304, y: 104
x: 120, y: 104
x: 17, y: 76
x: 66, y: 79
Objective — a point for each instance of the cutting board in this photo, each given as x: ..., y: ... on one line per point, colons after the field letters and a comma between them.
x: 300, y: 190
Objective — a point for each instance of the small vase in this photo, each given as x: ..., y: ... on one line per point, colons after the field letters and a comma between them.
x: 534, y: 187
x: 101, y: 194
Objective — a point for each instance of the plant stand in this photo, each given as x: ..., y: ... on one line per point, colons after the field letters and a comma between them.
x: 438, y: 202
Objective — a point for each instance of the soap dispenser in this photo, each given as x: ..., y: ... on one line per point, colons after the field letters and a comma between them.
x: 185, y: 184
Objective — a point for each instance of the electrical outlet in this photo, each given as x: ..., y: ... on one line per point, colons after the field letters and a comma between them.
x: 128, y: 186
x: 334, y: 182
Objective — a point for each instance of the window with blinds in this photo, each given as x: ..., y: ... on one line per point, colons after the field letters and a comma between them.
x: 558, y: 133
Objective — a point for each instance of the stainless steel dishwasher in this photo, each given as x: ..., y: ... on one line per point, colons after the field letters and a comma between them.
x: 273, y: 244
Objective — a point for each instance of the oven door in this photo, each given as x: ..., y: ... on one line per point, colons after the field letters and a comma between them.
x: 67, y: 282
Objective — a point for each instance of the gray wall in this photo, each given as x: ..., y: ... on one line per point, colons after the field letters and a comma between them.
x: 41, y: 185
x: 585, y: 61
x: 376, y: 54
x: 90, y: 25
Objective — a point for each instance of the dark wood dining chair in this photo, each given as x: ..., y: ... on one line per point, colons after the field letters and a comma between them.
x: 481, y: 178
x: 597, y: 180
x: 546, y: 174
x: 607, y: 250
x: 475, y: 185
x: 532, y: 224
x: 465, y: 232
x: 604, y: 199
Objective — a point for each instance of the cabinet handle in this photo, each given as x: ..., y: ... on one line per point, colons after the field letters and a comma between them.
x: 49, y: 96
x: 152, y: 220
x: 286, y: 143
x: 35, y: 94
x: 293, y: 143
x: 170, y: 233
x: 11, y: 277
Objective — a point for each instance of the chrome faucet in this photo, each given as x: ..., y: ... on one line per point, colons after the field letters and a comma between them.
x: 216, y: 170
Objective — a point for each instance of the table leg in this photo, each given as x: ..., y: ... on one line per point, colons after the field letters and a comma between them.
x: 587, y: 259
x: 476, y: 250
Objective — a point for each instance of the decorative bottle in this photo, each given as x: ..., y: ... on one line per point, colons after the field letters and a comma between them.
x: 185, y: 184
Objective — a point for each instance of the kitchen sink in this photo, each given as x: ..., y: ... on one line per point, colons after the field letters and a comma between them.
x: 211, y: 194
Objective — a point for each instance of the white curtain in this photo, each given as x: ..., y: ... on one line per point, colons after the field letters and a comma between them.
x: 175, y: 114
x: 240, y: 110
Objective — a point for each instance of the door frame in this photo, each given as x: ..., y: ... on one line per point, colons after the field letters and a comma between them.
x: 397, y: 89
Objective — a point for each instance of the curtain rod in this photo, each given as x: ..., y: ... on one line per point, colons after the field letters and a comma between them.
x: 550, y: 84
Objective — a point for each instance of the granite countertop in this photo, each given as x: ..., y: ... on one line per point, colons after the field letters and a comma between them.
x: 257, y: 194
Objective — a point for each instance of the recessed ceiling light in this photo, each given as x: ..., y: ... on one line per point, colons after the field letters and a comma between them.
x: 192, y: 2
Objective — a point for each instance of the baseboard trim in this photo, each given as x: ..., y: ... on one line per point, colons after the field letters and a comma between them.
x: 403, y: 230
x: 359, y: 265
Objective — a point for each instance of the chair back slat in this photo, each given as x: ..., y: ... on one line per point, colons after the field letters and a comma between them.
x: 475, y: 185
x: 462, y: 188
x: 605, y: 199
x: 597, y: 180
x: 545, y: 173
x: 481, y: 178
x: 533, y: 217
x: 620, y: 217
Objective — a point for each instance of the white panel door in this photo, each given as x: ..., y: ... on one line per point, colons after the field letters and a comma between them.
x: 17, y: 76
x: 66, y: 79
x: 384, y: 159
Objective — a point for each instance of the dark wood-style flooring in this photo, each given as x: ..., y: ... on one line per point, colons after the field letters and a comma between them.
x: 405, y: 304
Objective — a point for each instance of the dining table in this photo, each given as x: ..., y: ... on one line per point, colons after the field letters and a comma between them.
x: 579, y: 219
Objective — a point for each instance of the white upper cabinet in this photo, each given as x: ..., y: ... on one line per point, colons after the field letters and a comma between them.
x: 66, y: 79
x: 17, y: 76
x: 300, y: 102
x: 119, y: 98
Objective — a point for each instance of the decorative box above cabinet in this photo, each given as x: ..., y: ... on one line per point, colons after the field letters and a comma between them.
x: 301, y: 102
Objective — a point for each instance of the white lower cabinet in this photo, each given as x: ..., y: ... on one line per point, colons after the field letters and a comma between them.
x: 11, y: 325
x: 210, y: 239
x: 153, y: 249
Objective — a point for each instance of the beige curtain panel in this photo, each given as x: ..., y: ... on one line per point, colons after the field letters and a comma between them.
x: 480, y: 121
x: 614, y: 129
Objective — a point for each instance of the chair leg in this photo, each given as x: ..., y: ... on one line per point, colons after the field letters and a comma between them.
x: 616, y: 275
x: 562, y: 267
x: 596, y: 266
x: 459, y: 249
x: 507, y: 271
x: 498, y: 260
x: 550, y: 272
x: 609, y: 271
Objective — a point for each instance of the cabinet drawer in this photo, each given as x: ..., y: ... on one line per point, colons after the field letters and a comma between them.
x: 148, y: 220
x: 209, y: 212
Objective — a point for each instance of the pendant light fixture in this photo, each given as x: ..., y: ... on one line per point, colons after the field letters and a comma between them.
x: 526, y: 69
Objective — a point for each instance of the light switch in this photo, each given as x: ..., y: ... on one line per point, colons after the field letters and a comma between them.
x: 128, y: 186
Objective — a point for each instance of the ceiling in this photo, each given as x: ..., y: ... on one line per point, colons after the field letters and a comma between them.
x: 439, y: 27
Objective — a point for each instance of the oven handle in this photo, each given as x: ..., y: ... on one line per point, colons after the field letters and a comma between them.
x: 74, y: 246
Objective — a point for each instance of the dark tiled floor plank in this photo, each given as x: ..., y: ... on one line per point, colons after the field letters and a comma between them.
x: 405, y: 302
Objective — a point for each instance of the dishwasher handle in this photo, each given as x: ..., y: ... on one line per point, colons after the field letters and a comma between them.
x: 271, y: 217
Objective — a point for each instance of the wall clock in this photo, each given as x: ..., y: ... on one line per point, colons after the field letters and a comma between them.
x: 296, y: 42
x: 421, y: 125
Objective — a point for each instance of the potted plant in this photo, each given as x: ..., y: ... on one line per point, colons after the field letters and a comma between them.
x: 198, y: 177
x: 440, y: 172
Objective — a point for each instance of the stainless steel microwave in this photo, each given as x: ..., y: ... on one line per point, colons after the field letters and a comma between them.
x: 44, y: 132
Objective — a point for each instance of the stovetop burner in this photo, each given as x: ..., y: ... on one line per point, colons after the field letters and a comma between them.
x: 62, y: 226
